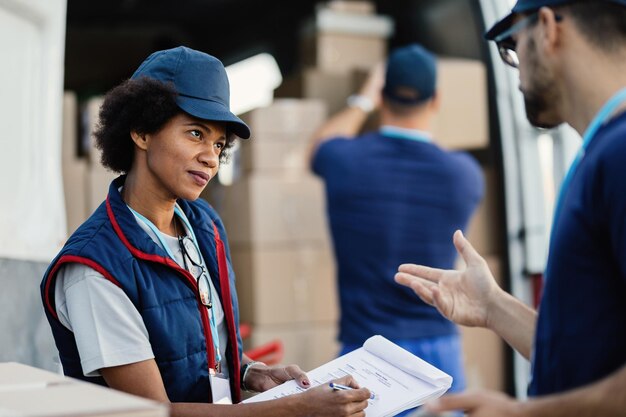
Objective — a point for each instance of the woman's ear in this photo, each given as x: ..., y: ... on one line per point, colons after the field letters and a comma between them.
x: 140, y: 140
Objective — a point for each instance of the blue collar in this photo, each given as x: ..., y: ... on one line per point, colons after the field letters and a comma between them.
x: 403, y: 133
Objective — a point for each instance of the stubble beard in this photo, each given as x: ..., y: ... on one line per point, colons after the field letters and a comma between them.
x: 541, y: 97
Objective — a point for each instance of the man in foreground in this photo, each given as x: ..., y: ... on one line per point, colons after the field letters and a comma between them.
x: 572, y: 61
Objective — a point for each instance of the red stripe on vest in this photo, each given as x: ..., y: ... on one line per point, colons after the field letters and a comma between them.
x: 71, y: 259
x: 222, y: 265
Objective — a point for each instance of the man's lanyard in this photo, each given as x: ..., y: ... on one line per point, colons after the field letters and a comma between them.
x: 603, y: 116
x: 402, y: 133
x: 159, y: 235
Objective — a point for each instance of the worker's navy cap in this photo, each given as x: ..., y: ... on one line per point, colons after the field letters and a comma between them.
x: 411, y: 75
x: 527, y: 6
x: 200, y: 81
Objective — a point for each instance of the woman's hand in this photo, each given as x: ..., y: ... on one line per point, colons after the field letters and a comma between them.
x: 465, y: 297
x: 261, y: 377
x: 323, y: 401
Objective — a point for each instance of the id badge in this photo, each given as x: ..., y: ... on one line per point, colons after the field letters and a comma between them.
x: 220, y: 388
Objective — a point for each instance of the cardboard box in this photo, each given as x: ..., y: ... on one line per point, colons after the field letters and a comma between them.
x: 271, y: 153
x: 340, y: 41
x: 462, y: 122
x: 74, y: 168
x: 90, y: 115
x: 352, y: 6
x: 69, y: 142
x: 286, y: 116
x: 342, y: 52
x: 306, y: 346
x: 275, y: 209
x: 30, y: 392
x: 483, y: 350
x: 484, y: 359
x: 75, y: 190
x: 286, y: 285
x: 330, y: 87
x: 281, y: 134
x: 98, y: 181
x: 485, y: 227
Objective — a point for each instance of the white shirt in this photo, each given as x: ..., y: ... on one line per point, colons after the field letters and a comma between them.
x: 108, y: 329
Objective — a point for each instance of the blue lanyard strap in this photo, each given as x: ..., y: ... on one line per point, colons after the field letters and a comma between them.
x: 214, y: 333
x: 402, y: 133
x: 603, y: 116
x: 159, y: 235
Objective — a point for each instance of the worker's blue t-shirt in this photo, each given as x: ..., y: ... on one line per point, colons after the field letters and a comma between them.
x: 581, y: 330
x: 392, y: 201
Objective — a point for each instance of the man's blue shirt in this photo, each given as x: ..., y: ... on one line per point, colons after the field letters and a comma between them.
x: 581, y: 331
x: 392, y: 201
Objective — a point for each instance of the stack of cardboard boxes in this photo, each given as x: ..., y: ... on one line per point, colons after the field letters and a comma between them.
x: 341, y: 44
x: 275, y: 218
x: 275, y: 214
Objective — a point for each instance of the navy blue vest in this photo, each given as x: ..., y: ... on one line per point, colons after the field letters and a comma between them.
x: 166, y: 296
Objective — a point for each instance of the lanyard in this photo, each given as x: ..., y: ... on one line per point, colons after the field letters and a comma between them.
x: 402, y: 133
x: 159, y: 235
x: 598, y: 121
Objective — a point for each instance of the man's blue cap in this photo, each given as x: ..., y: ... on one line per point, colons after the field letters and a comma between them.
x: 200, y: 81
x: 528, y: 6
x: 411, y: 75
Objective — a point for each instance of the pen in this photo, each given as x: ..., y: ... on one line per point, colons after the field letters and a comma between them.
x: 340, y: 387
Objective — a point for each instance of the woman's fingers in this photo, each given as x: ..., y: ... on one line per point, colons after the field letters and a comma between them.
x: 294, y: 372
x: 282, y: 374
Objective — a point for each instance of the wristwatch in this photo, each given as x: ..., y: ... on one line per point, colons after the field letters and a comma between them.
x: 362, y: 102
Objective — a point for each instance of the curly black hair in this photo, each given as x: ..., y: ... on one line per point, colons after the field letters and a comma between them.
x: 143, y: 105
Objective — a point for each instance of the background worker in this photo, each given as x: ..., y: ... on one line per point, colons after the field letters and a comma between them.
x: 572, y: 67
x: 393, y: 196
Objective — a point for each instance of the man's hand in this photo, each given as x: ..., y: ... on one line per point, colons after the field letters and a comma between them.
x: 472, y: 297
x: 261, y: 377
x: 373, y: 85
x: 464, y: 296
x: 478, y: 404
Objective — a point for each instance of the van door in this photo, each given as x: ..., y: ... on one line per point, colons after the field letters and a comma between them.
x: 32, y: 216
x: 32, y: 41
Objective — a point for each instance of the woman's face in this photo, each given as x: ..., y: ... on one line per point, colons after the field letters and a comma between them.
x: 183, y: 156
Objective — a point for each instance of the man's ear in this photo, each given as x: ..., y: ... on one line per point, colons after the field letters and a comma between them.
x: 435, y: 102
x: 550, y: 29
x: 140, y: 140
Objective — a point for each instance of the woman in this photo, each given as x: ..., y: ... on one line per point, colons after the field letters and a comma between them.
x: 142, y: 297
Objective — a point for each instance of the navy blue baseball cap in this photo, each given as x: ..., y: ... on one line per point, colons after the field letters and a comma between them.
x: 200, y: 81
x: 527, y: 6
x: 411, y: 75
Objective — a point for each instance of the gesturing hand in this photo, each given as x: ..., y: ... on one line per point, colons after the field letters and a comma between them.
x: 464, y: 296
